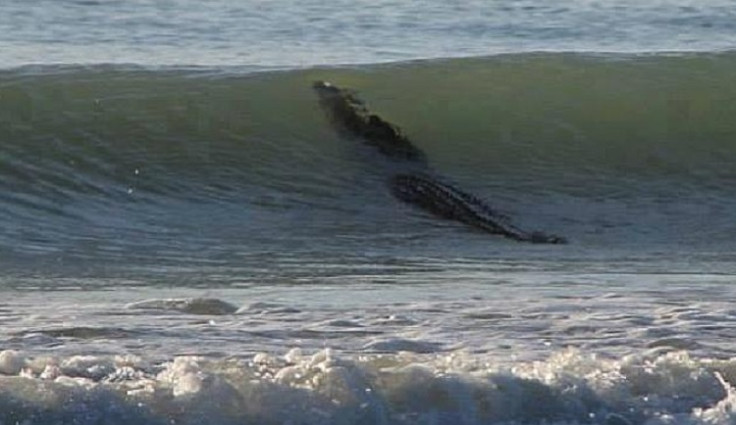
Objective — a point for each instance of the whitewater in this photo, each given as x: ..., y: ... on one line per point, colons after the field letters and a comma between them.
x: 186, y: 237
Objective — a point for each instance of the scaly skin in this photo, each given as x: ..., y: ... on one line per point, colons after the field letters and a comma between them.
x: 349, y: 114
x: 446, y: 201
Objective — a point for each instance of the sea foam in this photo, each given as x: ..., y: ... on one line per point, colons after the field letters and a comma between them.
x: 326, y: 387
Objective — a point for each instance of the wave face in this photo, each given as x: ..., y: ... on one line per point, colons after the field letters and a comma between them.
x: 213, y: 165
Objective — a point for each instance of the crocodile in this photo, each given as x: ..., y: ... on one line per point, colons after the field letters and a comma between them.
x: 424, y: 189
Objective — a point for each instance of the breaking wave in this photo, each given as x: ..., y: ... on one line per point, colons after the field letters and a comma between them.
x: 603, y: 149
x: 328, y: 388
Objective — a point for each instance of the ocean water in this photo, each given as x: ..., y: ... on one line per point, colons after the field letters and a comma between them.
x: 185, y: 238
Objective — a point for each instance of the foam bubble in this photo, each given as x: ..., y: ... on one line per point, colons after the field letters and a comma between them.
x: 11, y: 362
